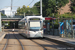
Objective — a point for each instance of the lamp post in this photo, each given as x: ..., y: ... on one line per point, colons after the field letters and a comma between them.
x: 56, y: 8
x: 53, y: 25
x: 11, y: 9
x: 24, y: 14
x: 0, y: 23
x: 72, y: 23
x: 41, y: 7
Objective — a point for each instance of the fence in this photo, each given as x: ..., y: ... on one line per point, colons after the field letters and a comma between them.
x: 61, y: 27
x: 73, y: 33
x: 56, y: 32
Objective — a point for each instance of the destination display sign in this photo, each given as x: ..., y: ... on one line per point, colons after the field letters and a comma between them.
x: 34, y: 18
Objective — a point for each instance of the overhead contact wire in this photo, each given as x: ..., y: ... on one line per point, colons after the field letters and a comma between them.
x: 31, y: 2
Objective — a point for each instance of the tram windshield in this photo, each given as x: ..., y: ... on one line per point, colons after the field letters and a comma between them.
x: 35, y: 25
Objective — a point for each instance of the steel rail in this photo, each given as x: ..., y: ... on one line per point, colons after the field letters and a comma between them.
x: 6, y: 43
x: 39, y: 44
x: 35, y: 42
x: 19, y: 41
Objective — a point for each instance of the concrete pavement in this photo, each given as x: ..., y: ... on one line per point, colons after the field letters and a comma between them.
x: 67, y: 41
x: 2, y: 35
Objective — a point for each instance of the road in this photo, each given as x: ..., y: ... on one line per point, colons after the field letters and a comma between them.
x: 29, y: 44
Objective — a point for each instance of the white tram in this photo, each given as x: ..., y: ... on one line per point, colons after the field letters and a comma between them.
x: 31, y: 26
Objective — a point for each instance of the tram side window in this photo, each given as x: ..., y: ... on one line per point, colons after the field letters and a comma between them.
x: 21, y: 25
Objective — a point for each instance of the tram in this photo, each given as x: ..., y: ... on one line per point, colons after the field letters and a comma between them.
x: 31, y: 26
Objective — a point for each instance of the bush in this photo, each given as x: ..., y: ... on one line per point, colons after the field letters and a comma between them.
x: 56, y: 26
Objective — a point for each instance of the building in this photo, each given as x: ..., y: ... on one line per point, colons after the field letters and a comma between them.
x: 2, y: 11
x: 8, y: 12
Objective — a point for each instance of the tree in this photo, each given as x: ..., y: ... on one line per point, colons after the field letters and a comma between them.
x: 49, y: 6
x: 24, y: 9
x: 73, y: 6
x: 2, y: 14
x: 36, y: 8
x: 18, y: 11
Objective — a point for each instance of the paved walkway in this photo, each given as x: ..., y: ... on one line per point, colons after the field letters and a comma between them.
x: 2, y: 35
x: 70, y: 42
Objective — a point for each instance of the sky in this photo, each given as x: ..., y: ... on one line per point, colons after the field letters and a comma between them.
x: 7, y: 3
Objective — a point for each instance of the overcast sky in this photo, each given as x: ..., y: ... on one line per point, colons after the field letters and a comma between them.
x: 5, y: 3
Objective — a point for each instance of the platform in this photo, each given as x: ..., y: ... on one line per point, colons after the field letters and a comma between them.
x: 67, y: 41
x: 2, y: 35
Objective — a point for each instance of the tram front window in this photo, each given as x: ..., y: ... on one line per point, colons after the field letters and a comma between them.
x: 35, y: 26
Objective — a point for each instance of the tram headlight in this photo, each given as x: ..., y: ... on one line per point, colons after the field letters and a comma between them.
x: 29, y: 34
x: 41, y: 32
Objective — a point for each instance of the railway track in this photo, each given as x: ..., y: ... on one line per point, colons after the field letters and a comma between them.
x: 35, y: 42
x: 19, y: 41
x: 6, y: 44
x: 46, y: 44
x: 44, y: 47
x: 4, y: 48
x: 39, y: 44
x: 54, y: 44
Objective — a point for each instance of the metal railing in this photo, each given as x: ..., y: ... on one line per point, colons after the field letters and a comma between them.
x: 69, y: 34
x: 73, y: 33
x: 12, y: 17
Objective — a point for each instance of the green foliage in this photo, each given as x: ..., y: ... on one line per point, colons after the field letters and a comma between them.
x: 4, y: 22
x: 68, y: 15
x: 2, y: 14
x: 73, y: 6
x: 49, y: 7
x: 62, y: 2
x: 56, y: 26
x: 24, y: 9
x: 36, y: 8
x: 65, y: 15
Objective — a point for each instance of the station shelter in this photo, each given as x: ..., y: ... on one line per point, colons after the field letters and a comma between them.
x: 65, y: 27
x: 47, y: 24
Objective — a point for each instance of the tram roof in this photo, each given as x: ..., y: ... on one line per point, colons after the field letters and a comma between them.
x: 33, y: 17
x: 27, y: 17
